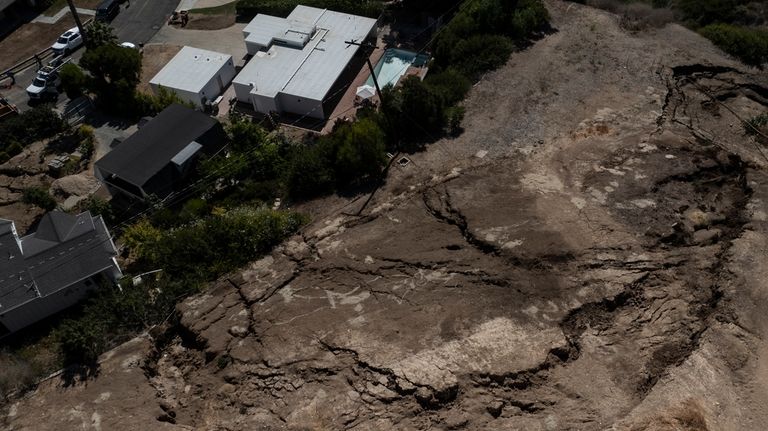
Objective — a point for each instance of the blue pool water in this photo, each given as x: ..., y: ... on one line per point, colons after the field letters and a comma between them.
x: 393, y: 65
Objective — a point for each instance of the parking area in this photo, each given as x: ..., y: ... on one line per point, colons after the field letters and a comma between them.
x: 137, y: 22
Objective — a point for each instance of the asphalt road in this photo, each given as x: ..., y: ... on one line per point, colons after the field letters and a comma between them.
x: 137, y: 22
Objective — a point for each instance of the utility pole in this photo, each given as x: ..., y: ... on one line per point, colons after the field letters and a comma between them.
x: 79, y: 24
x: 370, y: 66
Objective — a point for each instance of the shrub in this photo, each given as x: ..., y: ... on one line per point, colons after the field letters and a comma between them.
x: 529, y: 17
x: 359, y: 151
x: 194, y: 209
x: 748, y: 45
x: 480, y: 53
x: 759, y: 122
x: 703, y: 12
x: 151, y: 104
x: 451, y: 85
x: 14, y: 149
x: 218, y: 243
x: 37, y: 123
x: 39, y: 197
x: 99, y: 207
x: 73, y: 80
x: 454, y: 116
x: 82, y: 339
x: 414, y: 107
x: 87, y: 138
x: 309, y: 173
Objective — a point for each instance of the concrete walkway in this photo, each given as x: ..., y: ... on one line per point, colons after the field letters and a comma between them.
x: 64, y: 11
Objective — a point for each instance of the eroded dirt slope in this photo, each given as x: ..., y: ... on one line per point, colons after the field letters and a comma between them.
x: 590, y: 254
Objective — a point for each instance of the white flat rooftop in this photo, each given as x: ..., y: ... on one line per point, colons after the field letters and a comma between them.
x: 309, y: 71
x: 191, y: 69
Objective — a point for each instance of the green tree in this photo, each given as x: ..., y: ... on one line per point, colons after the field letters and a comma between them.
x: 115, y: 74
x: 37, y: 123
x: 141, y: 238
x: 359, y: 150
x: 39, y: 197
x: 309, y: 173
x: 99, y: 207
x: 414, y: 113
x: 450, y: 84
x: 245, y: 134
x: 82, y: 340
x: 99, y: 34
x: 73, y: 80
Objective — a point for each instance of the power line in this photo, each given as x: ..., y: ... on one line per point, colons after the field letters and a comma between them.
x: 183, y: 193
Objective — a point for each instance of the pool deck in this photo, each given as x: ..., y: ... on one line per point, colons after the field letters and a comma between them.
x: 346, y: 106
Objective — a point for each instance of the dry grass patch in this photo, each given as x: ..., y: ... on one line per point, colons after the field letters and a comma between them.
x: 154, y: 57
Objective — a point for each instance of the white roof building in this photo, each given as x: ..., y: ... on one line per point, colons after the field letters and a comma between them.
x: 297, y: 60
x: 196, y: 75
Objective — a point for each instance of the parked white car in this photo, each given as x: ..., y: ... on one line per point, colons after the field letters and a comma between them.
x: 69, y: 41
x: 45, y: 83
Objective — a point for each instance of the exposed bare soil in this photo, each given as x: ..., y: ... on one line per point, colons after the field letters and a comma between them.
x: 590, y: 254
x: 199, y: 21
x: 154, y: 57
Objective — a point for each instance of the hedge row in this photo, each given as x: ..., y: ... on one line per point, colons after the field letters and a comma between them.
x: 247, y: 9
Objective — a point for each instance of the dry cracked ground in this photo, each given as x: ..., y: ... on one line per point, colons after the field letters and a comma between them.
x: 590, y: 254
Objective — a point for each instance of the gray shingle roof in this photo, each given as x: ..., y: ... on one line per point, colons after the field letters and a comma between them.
x: 63, y: 250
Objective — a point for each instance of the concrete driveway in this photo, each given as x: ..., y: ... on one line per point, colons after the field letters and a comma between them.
x: 139, y: 20
x: 227, y: 40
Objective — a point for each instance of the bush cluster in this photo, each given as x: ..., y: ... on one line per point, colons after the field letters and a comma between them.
x: 152, y: 104
x: 17, y: 132
x: 39, y: 197
x: 247, y: 9
x: 212, y: 245
x: 758, y: 123
x: 747, y: 44
x: 260, y: 167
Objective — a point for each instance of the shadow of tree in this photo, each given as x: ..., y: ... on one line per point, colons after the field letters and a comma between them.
x: 80, y: 373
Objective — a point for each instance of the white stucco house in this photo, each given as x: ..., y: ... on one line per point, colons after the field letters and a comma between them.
x: 298, y: 60
x: 196, y: 75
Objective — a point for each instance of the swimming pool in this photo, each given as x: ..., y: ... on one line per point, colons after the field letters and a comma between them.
x: 393, y: 65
